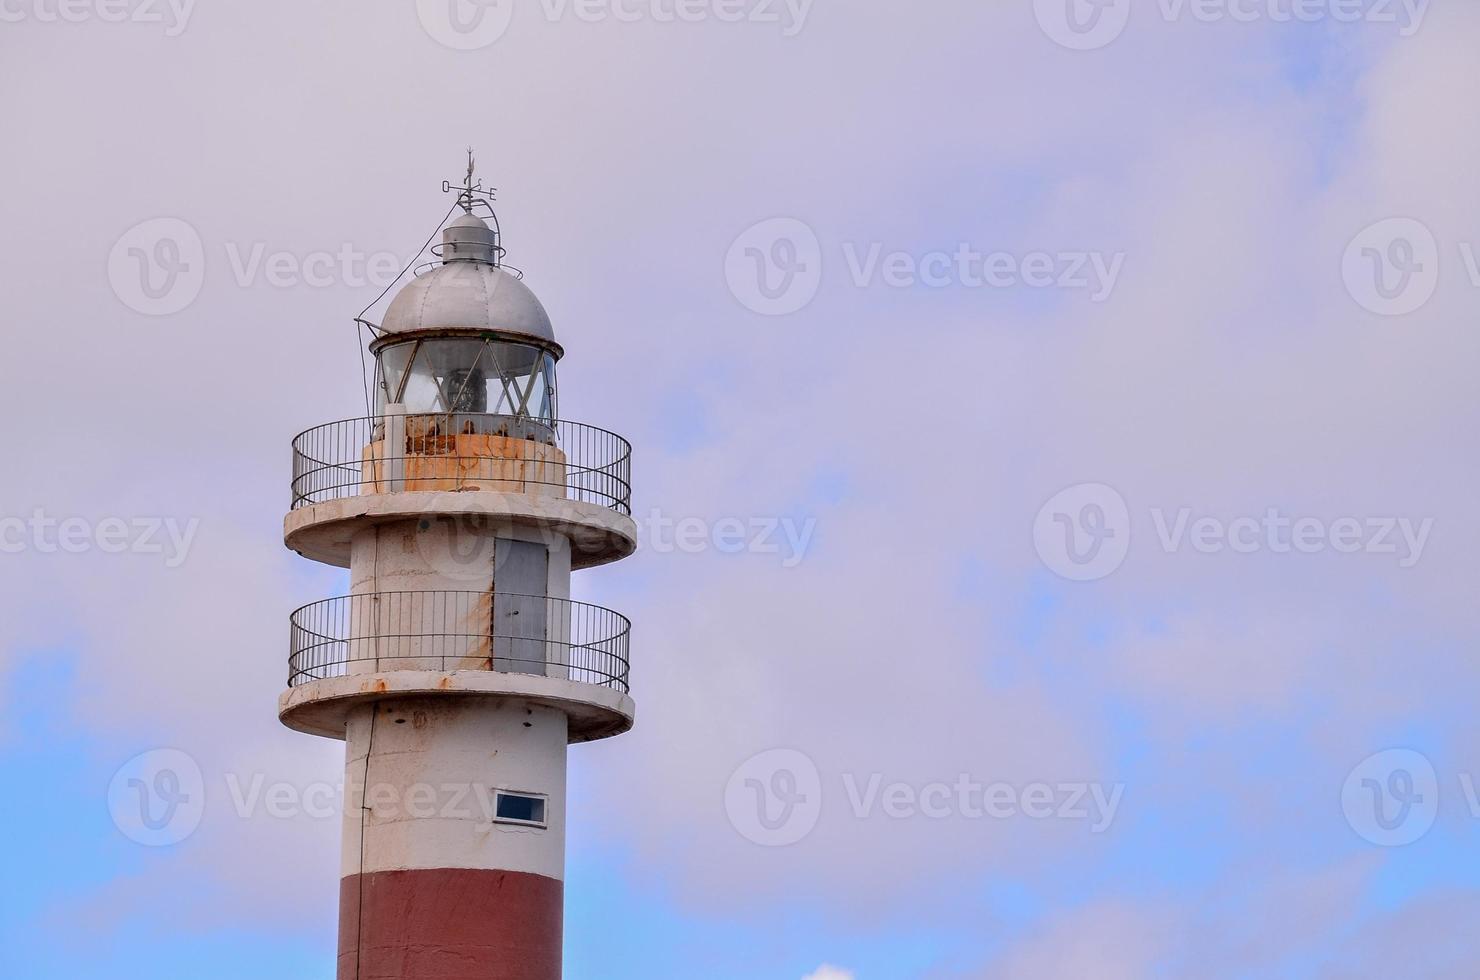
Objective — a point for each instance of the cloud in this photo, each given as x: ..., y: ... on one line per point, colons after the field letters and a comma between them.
x: 920, y: 638
x: 1113, y: 941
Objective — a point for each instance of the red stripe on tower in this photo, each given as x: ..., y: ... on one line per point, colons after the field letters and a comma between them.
x: 450, y: 924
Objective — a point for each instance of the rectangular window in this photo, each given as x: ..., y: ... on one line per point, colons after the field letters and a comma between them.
x: 519, y: 808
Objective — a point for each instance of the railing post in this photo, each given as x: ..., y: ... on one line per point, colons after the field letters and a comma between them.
x: 395, y: 447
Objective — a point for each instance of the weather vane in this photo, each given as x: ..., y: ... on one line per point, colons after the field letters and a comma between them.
x: 471, y: 193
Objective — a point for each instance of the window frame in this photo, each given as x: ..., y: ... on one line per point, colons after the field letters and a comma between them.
x: 544, y: 804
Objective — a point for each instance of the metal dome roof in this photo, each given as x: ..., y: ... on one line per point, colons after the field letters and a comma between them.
x: 468, y: 290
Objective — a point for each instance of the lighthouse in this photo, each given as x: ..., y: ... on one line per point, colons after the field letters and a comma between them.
x: 458, y: 669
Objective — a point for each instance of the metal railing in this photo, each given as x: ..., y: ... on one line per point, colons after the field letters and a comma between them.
x: 452, y: 451
x: 449, y: 631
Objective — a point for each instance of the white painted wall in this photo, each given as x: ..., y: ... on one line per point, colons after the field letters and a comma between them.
x: 423, y: 753
x: 447, y: 553
x: 441, y: 553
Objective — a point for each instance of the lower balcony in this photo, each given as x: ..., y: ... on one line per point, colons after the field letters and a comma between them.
x: 360, y: 649
x: 357, y: 649
x: 448, y: 632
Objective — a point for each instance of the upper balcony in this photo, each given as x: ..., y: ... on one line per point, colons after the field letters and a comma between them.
x: 572, y: 477
x: 454, y: 451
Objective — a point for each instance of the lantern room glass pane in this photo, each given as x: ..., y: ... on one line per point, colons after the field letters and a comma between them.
x: 467, y: 375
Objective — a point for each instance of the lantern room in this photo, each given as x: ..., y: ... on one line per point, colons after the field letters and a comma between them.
x: 468, y: 337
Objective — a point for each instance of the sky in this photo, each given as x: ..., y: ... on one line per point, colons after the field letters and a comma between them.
x: 1052, y: 466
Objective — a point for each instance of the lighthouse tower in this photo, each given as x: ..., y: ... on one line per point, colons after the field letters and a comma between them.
x: 458, y: 668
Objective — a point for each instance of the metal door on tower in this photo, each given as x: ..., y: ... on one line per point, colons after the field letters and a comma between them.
x: 520, y: 617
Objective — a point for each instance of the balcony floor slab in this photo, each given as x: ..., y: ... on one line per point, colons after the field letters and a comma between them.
x: 322, y: 707
x: 598, y: 535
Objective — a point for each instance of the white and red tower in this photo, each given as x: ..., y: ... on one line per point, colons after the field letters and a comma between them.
x: 458, y: 668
